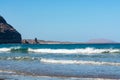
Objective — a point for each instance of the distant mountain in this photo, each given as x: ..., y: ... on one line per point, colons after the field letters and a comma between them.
x: 100, y: 41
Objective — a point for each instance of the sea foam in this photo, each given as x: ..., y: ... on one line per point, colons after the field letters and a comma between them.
x: 77, y: 51
x: 53, y: 61
x: 63, y: 51
x: 5, y: 49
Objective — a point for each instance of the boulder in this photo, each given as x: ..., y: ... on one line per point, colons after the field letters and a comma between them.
x: 7, y: 33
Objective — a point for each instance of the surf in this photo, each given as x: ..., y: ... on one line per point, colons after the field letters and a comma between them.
x: 75, y: 51
x: 88, y: 50
x: 53, y: 61
x: 5, y: 49
x: 13, y: 49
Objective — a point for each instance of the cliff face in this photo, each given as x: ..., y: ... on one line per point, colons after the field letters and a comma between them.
x: 7, y: 33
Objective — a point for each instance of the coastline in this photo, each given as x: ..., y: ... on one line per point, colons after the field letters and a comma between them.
x: 49, y: 77
x: 32, y: 41
x: 42, y: 77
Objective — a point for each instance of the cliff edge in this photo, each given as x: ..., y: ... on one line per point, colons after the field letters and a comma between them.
x: 7, y: 33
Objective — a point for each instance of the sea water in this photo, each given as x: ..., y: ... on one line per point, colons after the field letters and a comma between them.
x: 59, y: 61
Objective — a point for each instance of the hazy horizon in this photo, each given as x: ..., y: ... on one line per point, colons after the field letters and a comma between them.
x: 64, y: 20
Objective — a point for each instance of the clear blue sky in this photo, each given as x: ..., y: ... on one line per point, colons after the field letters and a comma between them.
x: 64, y: 20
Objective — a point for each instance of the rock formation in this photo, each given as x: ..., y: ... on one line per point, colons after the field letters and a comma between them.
x: 7, y: 33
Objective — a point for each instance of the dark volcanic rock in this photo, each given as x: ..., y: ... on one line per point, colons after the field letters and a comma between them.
x: 7, y: 33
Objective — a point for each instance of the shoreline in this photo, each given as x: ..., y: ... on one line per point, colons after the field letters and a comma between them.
x: 47, y: 77
x: 32, y: 41
x: 6, y: 74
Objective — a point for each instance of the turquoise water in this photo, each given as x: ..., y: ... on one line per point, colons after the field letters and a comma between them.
x: 59, y: 62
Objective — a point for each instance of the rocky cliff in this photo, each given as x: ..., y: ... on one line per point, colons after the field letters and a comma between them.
x: 7, y: 33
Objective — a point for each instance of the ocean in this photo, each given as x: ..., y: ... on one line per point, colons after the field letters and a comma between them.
x: 59, y: 61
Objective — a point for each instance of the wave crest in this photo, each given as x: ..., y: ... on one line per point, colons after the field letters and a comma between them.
x: 63, y: 51
x: 20, y: 58
x: 71, y: 51
x: 78, y: 62
x: 5, y: 49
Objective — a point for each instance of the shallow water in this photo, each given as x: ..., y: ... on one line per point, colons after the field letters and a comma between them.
x: 60, y: 62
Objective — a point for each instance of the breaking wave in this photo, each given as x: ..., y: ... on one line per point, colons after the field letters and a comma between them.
x: 77, y: 51
x: 5, y: 49
x: 21, y: 58
x: 13, y: 49
x: 63, y: 51
x: 53, y: 61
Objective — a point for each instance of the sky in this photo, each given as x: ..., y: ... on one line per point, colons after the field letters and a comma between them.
x: 64, y: 20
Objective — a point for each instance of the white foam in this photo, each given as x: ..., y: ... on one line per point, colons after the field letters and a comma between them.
x: 5, y: 49
x: 9, y: 49
x: 22, y: 58
x: 65, y: 51
x: 71, y: 51
x: 78, y: 62
x: 5, y: 71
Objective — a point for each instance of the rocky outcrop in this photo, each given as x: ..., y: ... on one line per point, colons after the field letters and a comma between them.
x: 35, y: 41
x: 31, y: 41
x: 7, y: 33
